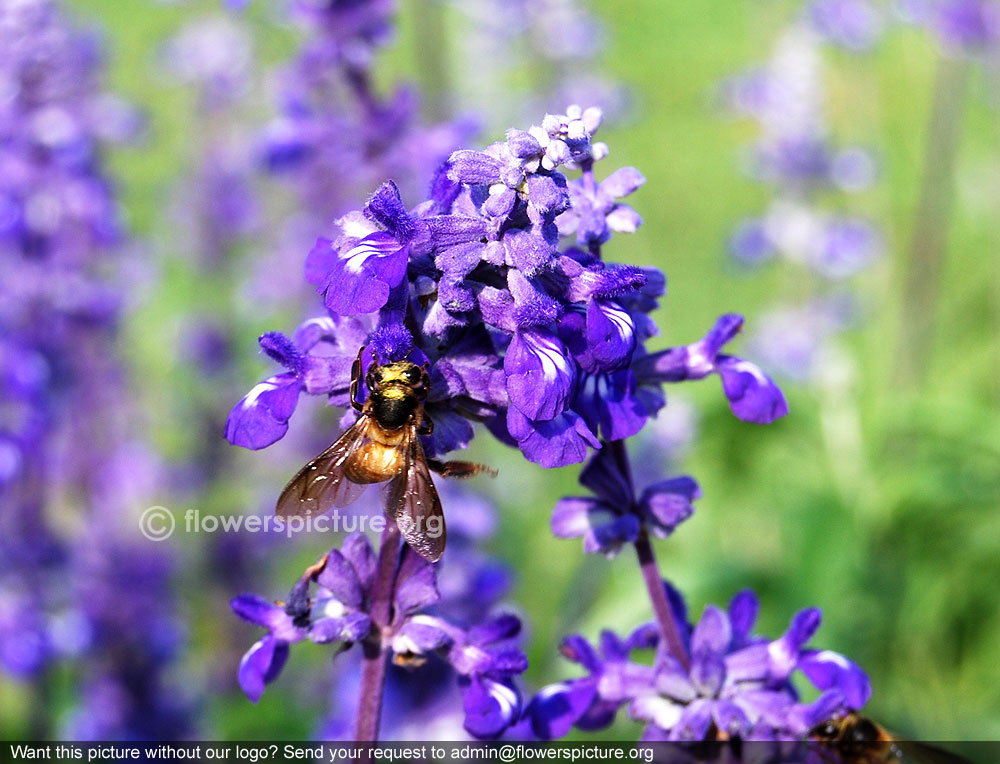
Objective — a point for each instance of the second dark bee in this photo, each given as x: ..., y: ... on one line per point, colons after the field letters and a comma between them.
x: 383, y: 444
x: 854, y: 739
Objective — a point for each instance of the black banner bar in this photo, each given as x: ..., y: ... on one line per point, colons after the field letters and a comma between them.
x: 503, y: 752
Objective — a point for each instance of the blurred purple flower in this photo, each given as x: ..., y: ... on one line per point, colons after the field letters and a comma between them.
x: 967, y: 27
x: 796, y: 154
x: 852, y: 24
x: 97, y: 598
x: 216, y: 54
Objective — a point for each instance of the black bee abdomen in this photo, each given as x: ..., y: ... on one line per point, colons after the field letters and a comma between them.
x: 392, y: 411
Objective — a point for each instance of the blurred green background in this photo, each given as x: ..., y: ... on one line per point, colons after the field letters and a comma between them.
x: 877, y: 500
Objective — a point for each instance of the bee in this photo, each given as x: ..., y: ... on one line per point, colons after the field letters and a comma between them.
x: 855, y: 739
x: 383, y: 444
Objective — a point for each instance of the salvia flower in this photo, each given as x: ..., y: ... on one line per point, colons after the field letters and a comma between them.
x: 330, y: 603
x: 615, y: 515
x: 752, y: 395
x: 539, y: 339
x: 422, y: 697
x: 739, y: 685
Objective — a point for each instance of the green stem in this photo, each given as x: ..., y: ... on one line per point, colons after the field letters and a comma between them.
x: 923, y: 268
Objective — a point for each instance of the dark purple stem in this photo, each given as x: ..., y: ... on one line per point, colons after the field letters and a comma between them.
x: 373, y: 664
x: 669, y: 630
x: 658, y: 596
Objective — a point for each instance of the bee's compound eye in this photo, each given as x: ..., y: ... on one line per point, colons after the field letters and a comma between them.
x: 413, y: 375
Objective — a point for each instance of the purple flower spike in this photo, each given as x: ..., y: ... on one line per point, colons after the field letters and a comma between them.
x: 330, y: 602
x: 752, y: 395
x: 734, y: 684
x: 556, y: 330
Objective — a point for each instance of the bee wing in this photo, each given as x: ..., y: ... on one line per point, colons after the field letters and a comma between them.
x: 414, y: 503
x: 321, y: 484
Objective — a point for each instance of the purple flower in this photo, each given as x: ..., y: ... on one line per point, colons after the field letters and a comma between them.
x: 363, y: 277
x: 544, y: 346
x: 593, y: 701
x: 540, y: 376
x: 330, y: 604
x: 263, y: 662
x: 797, y: 342
x: 261, y: 418
x: 422, y: 696
x: 738, y: 684
x: 616, y: 516
x: 752, y: 395
x: 750, y: 243
x: 335, y: 612
x: 595, y: 212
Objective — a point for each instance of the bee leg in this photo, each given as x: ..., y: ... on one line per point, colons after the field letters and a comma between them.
x: 355, y: 378
x: 426, y: 426
x: 455, y: 469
